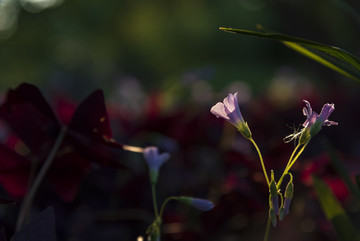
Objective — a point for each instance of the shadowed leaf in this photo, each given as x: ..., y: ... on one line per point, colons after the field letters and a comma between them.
x: 338, y: 165
x: 334, y: 212
x: 333, y: 57
x: 41, y: 228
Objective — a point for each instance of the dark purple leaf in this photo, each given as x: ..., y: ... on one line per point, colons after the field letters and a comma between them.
x: 41, y: 228
x: 30, y: 117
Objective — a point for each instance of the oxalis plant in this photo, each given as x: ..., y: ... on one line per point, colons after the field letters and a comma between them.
x: 154, y: 161
x: 230, y: 111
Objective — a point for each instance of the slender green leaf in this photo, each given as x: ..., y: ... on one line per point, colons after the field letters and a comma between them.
x: 334, y: 212
x: 333, y: 57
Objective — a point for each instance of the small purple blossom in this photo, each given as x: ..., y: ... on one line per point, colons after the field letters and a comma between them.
x: 154, y: 160
x: 229, y: 110
x: 312, y: 116
x: 315, y: 122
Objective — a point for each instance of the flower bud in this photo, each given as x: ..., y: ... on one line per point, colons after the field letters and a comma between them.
x: 281, y: 213
x: 274, y: 194
x: 289, y: 192
x: 198, y: 203
x: 272, y: 216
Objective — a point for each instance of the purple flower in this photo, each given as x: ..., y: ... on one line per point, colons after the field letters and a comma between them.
x: 198, y: 203
x: 313, y: 117
x: 314, y: 122
x: 230, y: 111
x: 154, y: 161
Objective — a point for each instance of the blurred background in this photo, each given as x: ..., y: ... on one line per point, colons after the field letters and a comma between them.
x: 162, y: 65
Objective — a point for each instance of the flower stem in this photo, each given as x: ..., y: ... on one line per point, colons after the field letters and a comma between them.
x: 261, y: 160
x: 266, y: 236
x: 153, y: 192
x: 291, y: 163
x: 292, y: 155
x: 164, y: 204
x: 29, y: 198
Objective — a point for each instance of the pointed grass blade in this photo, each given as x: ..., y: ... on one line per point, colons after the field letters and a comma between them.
x: 333, y: 57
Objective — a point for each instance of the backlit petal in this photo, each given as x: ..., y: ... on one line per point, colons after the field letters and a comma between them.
x: 219, y: 111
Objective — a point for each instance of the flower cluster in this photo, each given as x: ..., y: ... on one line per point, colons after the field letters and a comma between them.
x: 230, y: 111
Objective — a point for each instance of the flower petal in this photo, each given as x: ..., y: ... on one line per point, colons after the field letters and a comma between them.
x: 219, y: 111
x: 308, y: 111
x: 229, y: 103
x: 330, y: 123
x: 326, y: 111
x: 163, y: 158
x: 151, y: 156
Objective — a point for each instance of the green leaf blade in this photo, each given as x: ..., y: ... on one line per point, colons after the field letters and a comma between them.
x: 332, y: 57
x: 334, y: 212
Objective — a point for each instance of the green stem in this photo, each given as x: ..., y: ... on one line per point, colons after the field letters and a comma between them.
x: 288, y: 167
x: 281, y: 198
x: 292, y: 155
x: 29, y: 198
x: 164, y: 204
x: 297, y: 156
x: 154, y: 200
x: 267, y: 231
x: 261, y: 160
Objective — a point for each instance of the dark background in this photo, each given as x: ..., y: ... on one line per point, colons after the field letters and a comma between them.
x: 162, y: 65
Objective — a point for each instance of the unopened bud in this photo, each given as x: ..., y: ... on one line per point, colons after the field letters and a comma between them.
x: 289, y: 192
x: 198, y: 203
x: 281, y: 213
x: 272, y: 216
x: 274, y: 194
